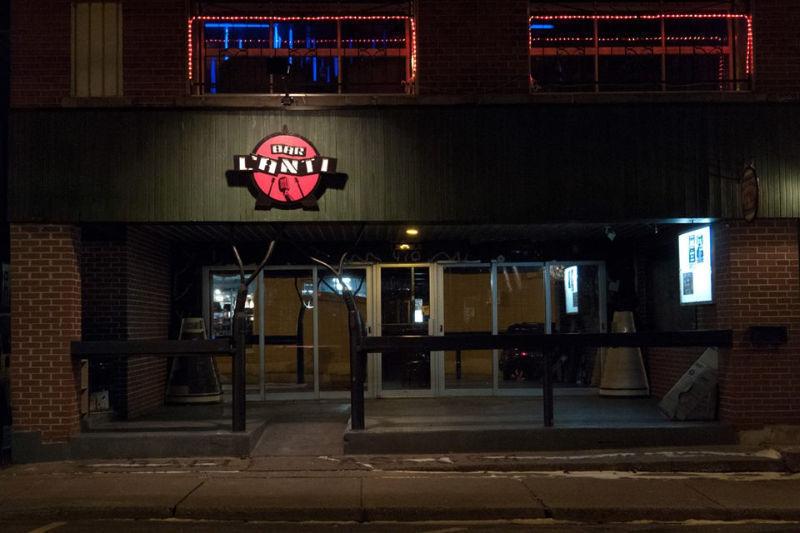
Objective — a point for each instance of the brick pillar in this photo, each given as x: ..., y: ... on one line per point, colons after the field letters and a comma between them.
x: 45, y: 318
x: 127, y: 295
x: 149, y: 299
x: 757, y: 278
x: 466, y: 47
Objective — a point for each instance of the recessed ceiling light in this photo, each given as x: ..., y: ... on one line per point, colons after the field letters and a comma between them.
x: 405, y: 246
x: 412, y: 231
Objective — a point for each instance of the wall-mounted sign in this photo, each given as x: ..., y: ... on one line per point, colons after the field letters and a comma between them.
x: 571, y: 289
x: 287, y: 172
x: 694, y: 256
x: 748, y: 193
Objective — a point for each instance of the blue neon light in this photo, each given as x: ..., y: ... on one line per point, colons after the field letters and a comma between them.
x: 314, y: 68
x: 276, y: 42
x: 213, y: 75
x: 328, y: 74
x: 291, y: 37
x: 227, y: 25
x: 227, y: 37
x: 542, y: 27
x: 336, y: 66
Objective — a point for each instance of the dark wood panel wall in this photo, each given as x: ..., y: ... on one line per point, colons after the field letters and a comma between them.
x: 500, y: 164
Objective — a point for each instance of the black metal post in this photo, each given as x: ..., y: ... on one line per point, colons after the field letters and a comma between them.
x: 358, y: 360
x: 547, y: 389
x: 239, y: 375
x: 458, y: 365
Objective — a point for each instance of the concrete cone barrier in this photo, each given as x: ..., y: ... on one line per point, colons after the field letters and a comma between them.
x: 623, y: 371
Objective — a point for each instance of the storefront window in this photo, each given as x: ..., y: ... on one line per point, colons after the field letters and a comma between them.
x: 289, y: 330
x: 224, y: 286
x: 334, y: 333
x: 520, y: 309
x: 467, y: 309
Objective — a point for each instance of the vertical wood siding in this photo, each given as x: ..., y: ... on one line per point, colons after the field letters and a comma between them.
x: 499, y: 164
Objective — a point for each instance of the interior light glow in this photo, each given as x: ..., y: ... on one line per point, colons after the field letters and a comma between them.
x: 405, y: 246
x: 412, y: 231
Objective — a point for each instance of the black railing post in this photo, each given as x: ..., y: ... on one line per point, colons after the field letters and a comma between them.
x: 358, y: 362
x: 239, y: 375
x: 547, y: 388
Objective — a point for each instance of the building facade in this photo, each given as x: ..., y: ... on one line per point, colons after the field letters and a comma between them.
x: 525, y: 143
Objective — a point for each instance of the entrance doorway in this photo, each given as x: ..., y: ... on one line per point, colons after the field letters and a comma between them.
x: 299, y: 339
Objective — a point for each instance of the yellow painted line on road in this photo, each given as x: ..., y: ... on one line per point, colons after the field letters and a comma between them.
x: 49, y: 527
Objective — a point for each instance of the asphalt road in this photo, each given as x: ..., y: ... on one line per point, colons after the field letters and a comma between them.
x: 547, y: 526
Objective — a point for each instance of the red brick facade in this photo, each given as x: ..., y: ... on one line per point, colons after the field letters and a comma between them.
x: 777, y: 46
x: 45, y: 318
x: 467, y: 48
x: 464, y: 48
x: 40, y: 52
x: 154, y: 50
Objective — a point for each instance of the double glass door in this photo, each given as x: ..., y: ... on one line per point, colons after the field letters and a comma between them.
x: 299, y: 339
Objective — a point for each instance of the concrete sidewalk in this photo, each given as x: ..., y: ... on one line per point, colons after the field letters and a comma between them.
x: 384, y: 489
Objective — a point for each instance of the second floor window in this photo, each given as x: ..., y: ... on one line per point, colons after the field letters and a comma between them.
x: 277, y: 55
x: 641, y: 52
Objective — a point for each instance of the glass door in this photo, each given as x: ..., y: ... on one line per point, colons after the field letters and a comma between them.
x: 404, y: 308
x: 289, y: 330
x: 466, y: 308
x: 577, y: 305
x: 220, y: 303
x: 333, y: 338
x: 522, y: 292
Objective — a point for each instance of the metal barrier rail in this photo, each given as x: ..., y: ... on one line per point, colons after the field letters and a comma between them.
x: 546, y: 342
x: 161, y: 348
x: 361, y: 345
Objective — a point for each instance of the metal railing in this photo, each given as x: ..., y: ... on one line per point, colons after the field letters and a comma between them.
x: 547, y: 343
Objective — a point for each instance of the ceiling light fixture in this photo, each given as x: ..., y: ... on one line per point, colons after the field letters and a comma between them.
x: 412, y: 231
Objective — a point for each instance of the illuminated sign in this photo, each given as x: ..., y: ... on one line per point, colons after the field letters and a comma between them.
x: 287, y: 171
x: 694, y: 256
x: 571, y: 289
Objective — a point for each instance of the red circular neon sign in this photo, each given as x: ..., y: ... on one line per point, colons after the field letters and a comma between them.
x: 288, y: 180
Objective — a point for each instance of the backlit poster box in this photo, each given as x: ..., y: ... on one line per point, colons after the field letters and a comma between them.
x: 571, y: 289
x: 694, y: 255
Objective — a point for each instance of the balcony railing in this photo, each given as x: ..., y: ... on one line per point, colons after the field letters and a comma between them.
x: 641, y: 52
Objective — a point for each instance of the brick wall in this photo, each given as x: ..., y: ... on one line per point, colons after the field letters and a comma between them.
x: 40, y: 52
x: 472, y: 47
x: 45, y: 318
x: 777, y: 46
x: 127, y: 293
x: 148, y: 309
x: 758, y: 283
x: 154, y: 50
